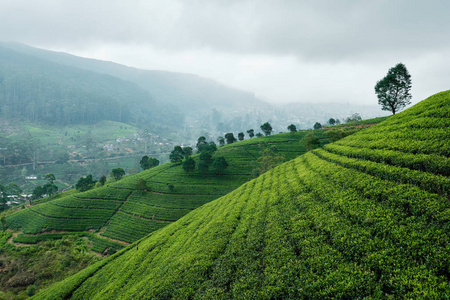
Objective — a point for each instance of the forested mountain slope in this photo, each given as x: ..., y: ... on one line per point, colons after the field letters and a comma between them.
x: 190, y: 94
x: 367, y: 217
x: 123, y: 212
x: 43, y: 91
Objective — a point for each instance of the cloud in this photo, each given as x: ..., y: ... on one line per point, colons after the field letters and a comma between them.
x: 283, y: 50
x: 322, y: 30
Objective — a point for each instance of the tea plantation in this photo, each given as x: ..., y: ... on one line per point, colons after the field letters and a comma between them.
x: 366, y: 217
x: 121, y: 212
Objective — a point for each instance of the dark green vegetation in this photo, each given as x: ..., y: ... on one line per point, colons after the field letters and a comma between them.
x: 136, y: 205
x: 40, y: 90
x: 26, y: 269
x: 393, y: 90
x: 366, y: 217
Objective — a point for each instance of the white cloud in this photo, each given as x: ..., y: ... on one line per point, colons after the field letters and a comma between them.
x: 282, y: 50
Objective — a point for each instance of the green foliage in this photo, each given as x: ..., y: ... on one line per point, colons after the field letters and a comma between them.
x: 13, y: 189
x: 188, y: 165
x: 292, y: 128
x: 188, y: 151
x: 393, y: 90
x: 102, y: 180
x: 85, y: 183
x: 219, y: 165
x: 177, y: 154
x: 317, y: 125
x: 3, y: 220
x: 339, y: 133
x: 37, y: 266
x: 117, y: 173
x: 353, y: 118
x: 310, y: 141
x: 251, y: 133
x: 50, y: 177
x: 229, y: 137
x: 148, y: 162
x: 266, y: 128
x: 268, y: 159
x: 141, y: 184
x: 201, y: 144
x: 221, y: 141
x: 241, y: 136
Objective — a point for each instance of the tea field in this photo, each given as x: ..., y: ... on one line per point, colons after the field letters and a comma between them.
x: 119, y: 211
x: 365, y: 217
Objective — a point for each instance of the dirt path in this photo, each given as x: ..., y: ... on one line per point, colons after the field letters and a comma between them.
x: 110, y: 239
x: 10, y: 240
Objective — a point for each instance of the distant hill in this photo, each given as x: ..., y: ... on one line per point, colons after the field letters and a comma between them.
x: 42, y: 91
x: 365, y: 217
x: 196, y: 97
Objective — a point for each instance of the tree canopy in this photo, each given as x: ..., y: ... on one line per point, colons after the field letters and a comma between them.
x: 85, y: 183
x: 230, y: 138
x: 188, y: 165
x: 177, y: 154
x: 117, y: 173
x: 292, y: 128
x: 393, y: 90
x: 148, y: 162
x: 310, y: 141
x: 266, y: 128
x: 219, y: 164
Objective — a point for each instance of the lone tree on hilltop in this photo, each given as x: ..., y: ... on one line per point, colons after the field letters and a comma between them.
x: 317, y: 125
x: 241, y: 136
x: 251, y: 133
x: 393, y: 90
x: 266, y: 128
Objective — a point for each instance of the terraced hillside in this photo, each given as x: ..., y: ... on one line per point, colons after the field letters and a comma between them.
x: 367, y: 217
x: 119, y: 211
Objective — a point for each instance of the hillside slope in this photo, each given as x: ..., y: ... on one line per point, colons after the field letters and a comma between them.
x: 120, y: 211
x: 43, y: 91
x: 367, y: 217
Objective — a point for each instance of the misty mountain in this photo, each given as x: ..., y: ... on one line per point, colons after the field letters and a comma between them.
x: 39, y: 90
x: 193, y: 95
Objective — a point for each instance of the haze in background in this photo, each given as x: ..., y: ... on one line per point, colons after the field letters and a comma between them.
x: 283, y: 51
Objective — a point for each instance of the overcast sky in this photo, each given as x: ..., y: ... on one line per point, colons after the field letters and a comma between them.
x: 281, y: 50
